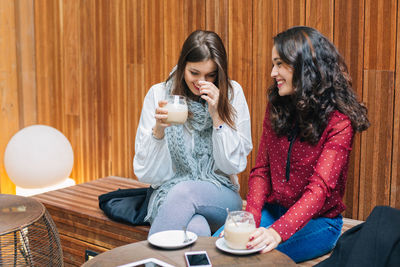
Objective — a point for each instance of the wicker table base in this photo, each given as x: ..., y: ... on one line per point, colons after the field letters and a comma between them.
x: 28, y: 236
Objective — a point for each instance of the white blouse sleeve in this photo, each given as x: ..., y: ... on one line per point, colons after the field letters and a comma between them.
x: 231, y: 146
x: 152, y: 161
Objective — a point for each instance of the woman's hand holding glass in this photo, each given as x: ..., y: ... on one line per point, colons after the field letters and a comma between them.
x: 173, y: 110
x: 161, y: 115
x: 210, y: 93
x: 264, y: 236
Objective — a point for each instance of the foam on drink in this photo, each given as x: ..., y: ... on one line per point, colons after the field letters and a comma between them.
x: 237, y: 235
x: 177, y: 113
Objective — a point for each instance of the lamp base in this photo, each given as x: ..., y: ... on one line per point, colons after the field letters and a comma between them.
x: 26, y: 192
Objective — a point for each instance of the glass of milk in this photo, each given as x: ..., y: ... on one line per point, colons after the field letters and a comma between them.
x: 238, y: 227
x: 177, y: 109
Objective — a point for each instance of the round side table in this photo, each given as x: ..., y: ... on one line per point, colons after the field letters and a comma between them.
x: 28, y: 235
x: 143, y: 249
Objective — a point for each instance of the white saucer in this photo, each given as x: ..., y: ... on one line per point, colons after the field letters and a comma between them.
x: 171, y: 239
x: 220, y: 243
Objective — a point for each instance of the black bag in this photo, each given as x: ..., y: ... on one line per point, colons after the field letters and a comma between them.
x: 126, y: 205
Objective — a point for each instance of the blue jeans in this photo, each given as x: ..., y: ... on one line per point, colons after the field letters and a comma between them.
x: 316, y: 238
x: 199, y: 205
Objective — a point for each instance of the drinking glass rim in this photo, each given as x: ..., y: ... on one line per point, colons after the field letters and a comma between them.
x: 240, y: 212
x: 174, y: 96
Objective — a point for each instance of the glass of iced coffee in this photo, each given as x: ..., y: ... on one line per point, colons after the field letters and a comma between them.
x: 238, y: 227
x: 177, y: 109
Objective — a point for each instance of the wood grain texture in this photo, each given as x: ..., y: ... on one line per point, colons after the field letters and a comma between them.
x: 9, y: 97
x: 174, y: 33
x: 136, y: 68
x: 264, y: 28
x: 322, y: 20
x: 291, y: 13
x: 375, y: 167
x: 395, y: 179
x: 349, y: 40
x: 217, y: 12
x: 74, y: 250
x: 48, y: 63
x: 25, y: 38
x: 240, y: 50
x: 378, y: 92
x: 380, y: 37
x: 72, y: 75
x: 84, y: 68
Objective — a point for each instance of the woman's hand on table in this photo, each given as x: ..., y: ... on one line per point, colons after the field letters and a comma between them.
x: 264, y: 236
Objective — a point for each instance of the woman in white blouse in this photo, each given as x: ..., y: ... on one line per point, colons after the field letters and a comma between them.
x: 193, y: 167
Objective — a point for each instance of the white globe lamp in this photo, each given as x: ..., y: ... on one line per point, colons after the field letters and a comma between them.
x: 39, y: 158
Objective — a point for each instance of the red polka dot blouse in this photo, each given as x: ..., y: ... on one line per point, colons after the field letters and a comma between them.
x: 317, y: 175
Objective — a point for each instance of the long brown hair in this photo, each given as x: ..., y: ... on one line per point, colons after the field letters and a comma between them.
x: 201, y: 46
x: 321, y: 85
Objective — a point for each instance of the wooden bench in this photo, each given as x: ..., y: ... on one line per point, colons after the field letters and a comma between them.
x: 85, y: 230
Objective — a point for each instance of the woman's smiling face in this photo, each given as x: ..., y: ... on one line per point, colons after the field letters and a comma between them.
x: 200, y: 71
x: 282, y: 73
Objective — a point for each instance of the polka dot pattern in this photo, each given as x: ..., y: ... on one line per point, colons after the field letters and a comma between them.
x: 318, y: 175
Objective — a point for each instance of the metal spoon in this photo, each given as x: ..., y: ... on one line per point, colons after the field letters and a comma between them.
x: 187, y: 239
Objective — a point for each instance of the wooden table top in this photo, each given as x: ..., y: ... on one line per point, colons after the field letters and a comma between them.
x: 142, y: 250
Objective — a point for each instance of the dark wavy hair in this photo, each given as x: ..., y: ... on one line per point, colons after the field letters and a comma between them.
x: 321, y: 83
x: 201, y: 46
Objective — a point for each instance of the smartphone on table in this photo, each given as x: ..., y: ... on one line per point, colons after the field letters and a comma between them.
x: 197, y: 259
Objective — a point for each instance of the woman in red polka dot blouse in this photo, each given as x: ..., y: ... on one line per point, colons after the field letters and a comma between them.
x: 297, y: 184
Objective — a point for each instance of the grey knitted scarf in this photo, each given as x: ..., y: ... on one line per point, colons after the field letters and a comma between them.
x: 195, y: 166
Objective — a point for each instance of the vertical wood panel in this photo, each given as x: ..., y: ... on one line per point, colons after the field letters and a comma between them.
x: 95, y: 76
x: 291, y: 13
x: 174, y: 33
x: 323, y: 19
x: 195, y: 16
x: 105, y: 93
x: 240, y: 57
x: 26, y: 61
x: 72, y: 73
x: 136, y: 82
x: 181, y: 18
x: 376, y: 141
x: 118, y: 94
x: 48, y: 63
x: 380, y: 37
x: 349, y: 39
x: 395, y: 181
x: 8, y: 86
x: 378, y: 92
x: 217, y: 12
x: 265, y: 27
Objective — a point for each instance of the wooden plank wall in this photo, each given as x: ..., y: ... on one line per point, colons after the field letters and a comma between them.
x: 84, y: 68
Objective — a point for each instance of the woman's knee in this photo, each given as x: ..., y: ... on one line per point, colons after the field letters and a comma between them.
x: 199, y: 225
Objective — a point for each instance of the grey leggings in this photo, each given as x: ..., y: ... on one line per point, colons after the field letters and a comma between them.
x: 199, y: 205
